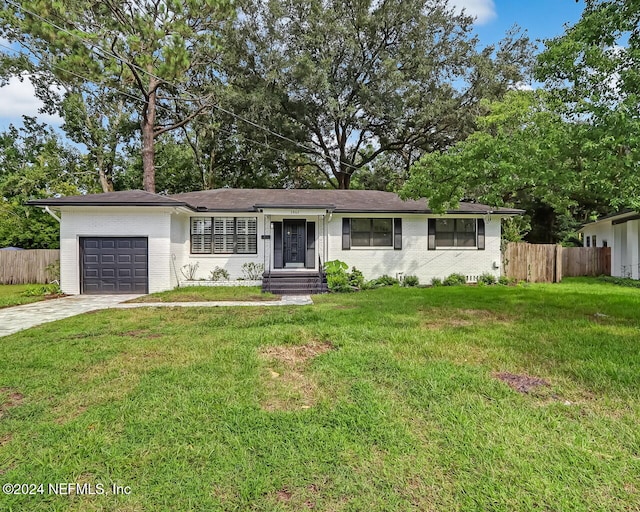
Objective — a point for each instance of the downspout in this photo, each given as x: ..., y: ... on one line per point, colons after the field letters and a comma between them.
x: 48, y: 210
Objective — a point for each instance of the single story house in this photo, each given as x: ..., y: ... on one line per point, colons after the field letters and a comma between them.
x: 138, y: 242
x: 621, y: 232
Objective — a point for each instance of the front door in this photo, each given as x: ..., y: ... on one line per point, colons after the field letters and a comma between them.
x: 294, y: 243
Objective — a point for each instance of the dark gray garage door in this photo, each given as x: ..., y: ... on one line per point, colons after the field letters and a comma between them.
x: 114, y: 265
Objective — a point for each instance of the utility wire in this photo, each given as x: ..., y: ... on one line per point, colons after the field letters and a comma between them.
x: 307, y: 149
x: 120, y: 91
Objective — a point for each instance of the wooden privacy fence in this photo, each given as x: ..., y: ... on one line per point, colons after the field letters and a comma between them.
x: 30, y: 266
x: 549, y: 263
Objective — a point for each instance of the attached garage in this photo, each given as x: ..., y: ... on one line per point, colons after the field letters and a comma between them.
x: 113, y: 265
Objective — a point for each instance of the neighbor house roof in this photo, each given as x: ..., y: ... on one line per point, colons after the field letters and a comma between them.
x: 251, y: 200
x: 614, y: 218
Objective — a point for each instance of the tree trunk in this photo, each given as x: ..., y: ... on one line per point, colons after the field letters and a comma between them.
x: 344, y: 180
x: 147, y: 125
x: 104, y: 175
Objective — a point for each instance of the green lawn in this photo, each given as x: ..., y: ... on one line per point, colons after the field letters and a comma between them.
x: 12, y: 295
x: 209, y: 293
x: 385, y: 400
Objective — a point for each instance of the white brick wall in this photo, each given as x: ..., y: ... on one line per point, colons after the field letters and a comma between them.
x: 232, y: 263
x: 414, y: 258
x: 153, y: 223
x: 168, y: 233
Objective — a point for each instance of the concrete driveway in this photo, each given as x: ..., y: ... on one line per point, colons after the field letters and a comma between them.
x: 19, y: 318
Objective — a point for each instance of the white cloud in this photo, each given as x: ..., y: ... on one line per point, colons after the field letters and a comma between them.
x: 483, y: 11
x: 18, y: 98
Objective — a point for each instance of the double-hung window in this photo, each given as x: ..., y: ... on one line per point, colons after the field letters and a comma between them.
x: 371, y: 233
x: 224, y: 235
x: 455, y: 232
x: 447, y: 232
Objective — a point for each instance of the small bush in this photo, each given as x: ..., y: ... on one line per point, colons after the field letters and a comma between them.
x: 189, y: 271
x: 411, y: 281
x: 387, y: 280
x: 337, y: 276
x: 436, y: 281
x: 487, y: 278
x: 620, y: 281
x: 38, y: 290
x: 506, y: 281
x: 218, y: 274
x: 455, y: 280
x: 356, y: 278
x: 252, y: 271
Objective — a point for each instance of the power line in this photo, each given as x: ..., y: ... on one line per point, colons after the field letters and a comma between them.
x: 135, y: 98
x: 148, y: 73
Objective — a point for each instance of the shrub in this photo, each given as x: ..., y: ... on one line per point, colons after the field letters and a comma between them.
x: 252, y: 271
x: 620, y: 281
x: 411, y: 281
x: 218, y: 274
x: 337, y: 276
x: 387, y: 280
x: 189, y: 271
x: 455, y: 280
x: 53, y: 271
x: 506, y: 281
x: 382, y: 281
x: 356, y: 278
x: 436, y: 281
x: 487, y: 278
x: 38, y: 290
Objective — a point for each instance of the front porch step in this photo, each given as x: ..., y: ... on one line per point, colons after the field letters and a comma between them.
x: 294, y: 283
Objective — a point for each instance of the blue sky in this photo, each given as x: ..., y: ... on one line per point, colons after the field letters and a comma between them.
x: 541, y: 18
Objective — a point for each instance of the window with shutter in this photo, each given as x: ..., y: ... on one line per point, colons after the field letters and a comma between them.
x: 201, y: 235
x: 224, y: 235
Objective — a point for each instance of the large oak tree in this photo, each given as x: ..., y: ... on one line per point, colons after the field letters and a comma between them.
x: 347, y: 81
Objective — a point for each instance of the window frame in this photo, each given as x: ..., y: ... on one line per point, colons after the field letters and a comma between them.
x: 371, y: 233
x: 250, y: 239
x: 456, y: 232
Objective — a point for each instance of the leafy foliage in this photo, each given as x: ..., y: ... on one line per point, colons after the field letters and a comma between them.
x: 593, y: 72
x: 411, y: 281
x: 455, y: 280
x: 252, y: 271
x: 218, y: 274
x: 524, y: 155
x: 348, y: 82
x: 34, y: 164
x: 487, y: 279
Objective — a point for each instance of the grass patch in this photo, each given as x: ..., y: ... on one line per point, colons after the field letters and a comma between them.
x: 209, y: 293
x: 447, y: 398
x: 14, y: 295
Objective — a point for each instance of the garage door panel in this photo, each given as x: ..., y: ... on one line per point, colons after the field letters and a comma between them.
x: 113, y: 265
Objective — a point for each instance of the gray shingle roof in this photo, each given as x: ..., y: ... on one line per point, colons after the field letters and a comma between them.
x: 250, y: 200
x: 123, y: 198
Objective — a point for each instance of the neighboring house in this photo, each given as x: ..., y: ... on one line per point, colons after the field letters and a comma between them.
x: 621, y: 232
x: 137, y: 242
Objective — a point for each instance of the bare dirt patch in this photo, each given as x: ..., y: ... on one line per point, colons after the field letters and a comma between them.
x: 11, y: 398
x: 299, y: 499
x: 287, y: 384
x: 521, y: 383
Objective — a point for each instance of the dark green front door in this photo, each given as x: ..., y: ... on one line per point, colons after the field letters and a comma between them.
x: 294, y: 242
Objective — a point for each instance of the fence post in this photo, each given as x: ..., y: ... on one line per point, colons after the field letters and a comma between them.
x: 558, y: 273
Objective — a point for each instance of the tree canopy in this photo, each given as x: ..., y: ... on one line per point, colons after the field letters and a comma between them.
x: 153, y: 55
x: 347, y: 82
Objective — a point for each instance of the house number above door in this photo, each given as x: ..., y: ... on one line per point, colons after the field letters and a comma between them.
x: 295, y: 212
